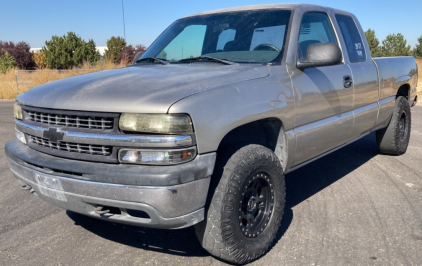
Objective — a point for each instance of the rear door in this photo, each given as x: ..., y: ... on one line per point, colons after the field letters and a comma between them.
x: 364, y: 75
x: 323, y: 104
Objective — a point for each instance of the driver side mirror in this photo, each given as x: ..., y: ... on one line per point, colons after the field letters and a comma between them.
x: 321, y: 54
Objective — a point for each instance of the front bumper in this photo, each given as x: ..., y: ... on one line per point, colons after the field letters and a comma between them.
x: 169, y: 206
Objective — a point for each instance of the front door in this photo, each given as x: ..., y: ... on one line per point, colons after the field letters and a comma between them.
x: 323, y: 100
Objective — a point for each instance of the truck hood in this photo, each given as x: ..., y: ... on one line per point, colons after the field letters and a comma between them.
x: 138, y: 89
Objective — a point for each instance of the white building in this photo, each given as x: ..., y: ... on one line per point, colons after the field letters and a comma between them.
x: 101, y: 49
x: 35, y: 50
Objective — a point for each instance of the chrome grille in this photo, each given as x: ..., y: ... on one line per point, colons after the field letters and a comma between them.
x: 72, y: 147
x: 71, y: 120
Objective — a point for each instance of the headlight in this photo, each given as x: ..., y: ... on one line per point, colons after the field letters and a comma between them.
x: 17, y: 111
x: 156, y: 123
x: 157, y: 157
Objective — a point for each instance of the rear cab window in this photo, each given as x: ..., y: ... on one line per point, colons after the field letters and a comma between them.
x: 268, y: 36
x: 224, y: 38
x: 352, y: 38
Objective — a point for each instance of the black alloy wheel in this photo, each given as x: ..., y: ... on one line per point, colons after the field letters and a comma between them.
x: 257, y: 204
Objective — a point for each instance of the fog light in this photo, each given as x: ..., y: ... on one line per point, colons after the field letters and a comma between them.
x: 157, y: 157
x: 20, y: 136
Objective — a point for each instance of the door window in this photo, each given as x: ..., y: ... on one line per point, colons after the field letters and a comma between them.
x: 315, y: 28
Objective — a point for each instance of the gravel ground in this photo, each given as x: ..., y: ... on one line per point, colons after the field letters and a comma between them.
x: 352, y: 207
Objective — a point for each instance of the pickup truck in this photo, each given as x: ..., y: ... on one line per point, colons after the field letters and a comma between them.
x: 202, y: 128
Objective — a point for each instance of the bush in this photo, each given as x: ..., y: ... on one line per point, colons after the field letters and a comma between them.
x: 20, y: 52
x: 128, y: 53
x: 6, y: 62
x: 115, y: 45
x: 39, y: 59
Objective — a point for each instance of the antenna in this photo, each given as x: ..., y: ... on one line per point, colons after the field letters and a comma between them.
x: 124, y: 27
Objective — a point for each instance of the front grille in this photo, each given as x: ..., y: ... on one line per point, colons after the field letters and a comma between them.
x: 77, y: 121
x: 72, y: 147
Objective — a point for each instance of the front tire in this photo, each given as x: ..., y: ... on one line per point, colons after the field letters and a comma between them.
x: 394, y: 139
x: 246, y: 208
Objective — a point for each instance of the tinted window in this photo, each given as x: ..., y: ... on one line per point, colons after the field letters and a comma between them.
x: 271, y: 36
x: 315, y: 28
x: 352, y: 38
x: 187, y: 44
x: 225, y: 37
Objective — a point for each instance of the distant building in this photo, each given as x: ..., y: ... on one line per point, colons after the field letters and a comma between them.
x: 101, y: 49
x: 35, y: 50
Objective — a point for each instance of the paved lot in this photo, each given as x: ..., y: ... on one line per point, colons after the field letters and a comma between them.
x: 353, y: 207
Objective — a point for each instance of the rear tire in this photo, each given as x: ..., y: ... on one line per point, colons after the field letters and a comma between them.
x: 245, y: 210
x: 394, y: 139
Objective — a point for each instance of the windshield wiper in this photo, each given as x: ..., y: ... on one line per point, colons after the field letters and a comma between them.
x: 224, y: 61
x: 160, y: 60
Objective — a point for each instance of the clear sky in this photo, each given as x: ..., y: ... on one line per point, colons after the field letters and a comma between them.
x: 35, y: 21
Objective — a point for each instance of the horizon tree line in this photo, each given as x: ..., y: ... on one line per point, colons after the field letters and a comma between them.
x: 70, y: 50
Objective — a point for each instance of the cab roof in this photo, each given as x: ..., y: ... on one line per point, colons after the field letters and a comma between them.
x: 269, y: 6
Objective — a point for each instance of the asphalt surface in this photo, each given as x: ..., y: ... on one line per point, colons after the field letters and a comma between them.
x: 352, y: 207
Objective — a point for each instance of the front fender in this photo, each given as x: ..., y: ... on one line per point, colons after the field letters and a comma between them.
x: 218, y: 111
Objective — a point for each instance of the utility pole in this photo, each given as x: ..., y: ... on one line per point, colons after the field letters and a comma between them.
x: 124, y: 27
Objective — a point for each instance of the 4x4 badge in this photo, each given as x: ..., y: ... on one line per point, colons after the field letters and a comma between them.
x: 53, y: 135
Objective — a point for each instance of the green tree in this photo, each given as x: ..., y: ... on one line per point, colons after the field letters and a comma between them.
x: 6, y: 62
x: 88, y: 52
x: 114, y: 46
x: 417, y: 52
x: 374, y: 44
x: 163, y: 54
x: 395, y: 45
x: 68, y: 51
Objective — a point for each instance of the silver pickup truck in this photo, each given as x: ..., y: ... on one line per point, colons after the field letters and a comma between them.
x: 203, y: 127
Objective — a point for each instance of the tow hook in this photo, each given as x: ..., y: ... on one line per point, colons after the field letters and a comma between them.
x: 99, y: 210
x: 26, y: 187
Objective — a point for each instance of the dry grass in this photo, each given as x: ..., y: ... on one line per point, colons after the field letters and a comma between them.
x: 419, y: 87
x: 8, y: 85
x: 30, y: 79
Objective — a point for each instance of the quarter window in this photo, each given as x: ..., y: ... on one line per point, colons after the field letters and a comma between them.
x: 315, y: 28
x: 351, y: 36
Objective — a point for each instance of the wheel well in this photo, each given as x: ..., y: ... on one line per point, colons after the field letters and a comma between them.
x: 403, y: 91
x: 266, y: 132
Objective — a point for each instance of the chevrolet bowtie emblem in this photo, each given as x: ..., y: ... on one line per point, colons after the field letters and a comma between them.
x: 53, y: 135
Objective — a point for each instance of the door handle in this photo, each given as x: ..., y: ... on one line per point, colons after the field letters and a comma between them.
x: 347, y: 81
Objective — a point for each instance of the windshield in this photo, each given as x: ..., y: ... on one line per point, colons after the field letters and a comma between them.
x: 256, y: 36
